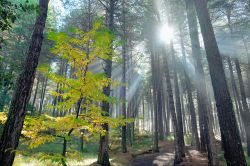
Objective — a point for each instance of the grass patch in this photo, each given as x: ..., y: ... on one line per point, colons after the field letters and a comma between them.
x: 170, y: 138
x: 54, y: 150
x: 143, y: 142
x: 187, y: 139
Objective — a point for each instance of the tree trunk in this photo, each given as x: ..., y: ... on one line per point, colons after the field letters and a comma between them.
x: 3, y: 98
x: 235, y: 92
x: 234, y: 154
x: 168, y: 115
x: 242, y: 88
x: 239, y: 74
x: 178, y: 105
x: 36, y: 90
x: 14, y: 124
x: 129, y: 124
x: 178, y: 150
x: 154, y: 85
x: 158, y: 82
x: 164, y: 115
x: 44, y: 86
x: 246, y: 113
x: 247, y: 128
x: 63, y: 160
x: 143, y: 114
x: 192, y: 111
x: 123, y: 88
x: 193, y: 31
x: 6, y: 85
x: 206, y: 129
x: 55, y: 100
x: 248, y: 63
x: 103, y: 156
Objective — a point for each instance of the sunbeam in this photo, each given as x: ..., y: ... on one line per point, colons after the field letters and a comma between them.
x: 166, y: 33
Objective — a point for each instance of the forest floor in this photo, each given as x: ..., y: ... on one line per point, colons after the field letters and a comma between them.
x: 140, y: 154
x: 164, y: 158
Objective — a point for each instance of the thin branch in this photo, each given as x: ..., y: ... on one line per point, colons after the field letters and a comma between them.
x: 105, y: 6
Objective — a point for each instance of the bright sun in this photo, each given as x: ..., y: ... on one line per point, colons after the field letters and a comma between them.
x: 166, y: 33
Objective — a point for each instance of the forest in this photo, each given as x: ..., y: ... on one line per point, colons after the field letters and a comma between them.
x: 125, y: 82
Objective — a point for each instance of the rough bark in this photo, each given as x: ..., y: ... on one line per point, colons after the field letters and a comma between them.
x: 246, y: 113
x: 178, y: 105
x: 234, y: 154
x: 242, y: 87
x: 193, y: 31
x: 178, y: 152
x: 206, y: 129
x: 235, y: 92
x: 14, y: 124
x: 103, y: 156
x: 124, y: 52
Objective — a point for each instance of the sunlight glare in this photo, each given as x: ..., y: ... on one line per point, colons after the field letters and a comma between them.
x: 166, y: 33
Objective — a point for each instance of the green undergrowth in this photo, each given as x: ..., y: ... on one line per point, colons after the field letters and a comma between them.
x: 141, y: 143
x: 50, y: 153
x: 170, y: 138
x: 187, y: 139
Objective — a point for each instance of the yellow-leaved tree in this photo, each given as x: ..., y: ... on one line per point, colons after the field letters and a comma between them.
x: 82, y: 92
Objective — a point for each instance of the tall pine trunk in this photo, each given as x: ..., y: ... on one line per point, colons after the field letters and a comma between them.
x: 191, y: 108
x: 193, y: 31
x: 14, y: 124
x: 156, y: 113
x: 243, y: 102
x: 205, y: 121
x: 178, y: 150
x: 234, y: 154
x: 178, y: 104
x: 246, y: 113
x: 103, y: 156
x: 235, y: 92
x: 159, y: 96
x: 124, y: 52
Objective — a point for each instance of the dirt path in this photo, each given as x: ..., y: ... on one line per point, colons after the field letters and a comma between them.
x: 166, y: 157
x: 194, y: 158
